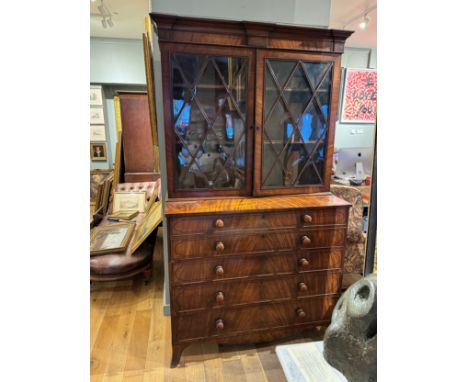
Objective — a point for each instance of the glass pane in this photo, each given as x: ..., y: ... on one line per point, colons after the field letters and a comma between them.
x: 209, y: 112
x: 297, y: 95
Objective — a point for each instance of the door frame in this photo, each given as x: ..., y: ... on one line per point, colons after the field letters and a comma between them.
x: 261, y: 55
x: 166, y: 50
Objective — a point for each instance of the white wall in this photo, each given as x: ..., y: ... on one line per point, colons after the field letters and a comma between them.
x: 117, y: 61
x: 307, y: 12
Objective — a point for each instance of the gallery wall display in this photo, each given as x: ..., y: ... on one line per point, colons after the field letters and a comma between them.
x: 95, y: 96
x: 359, y: 96
x: 97, y: 133
x: 98, y: 151
x: 96, y: 116
x: 97, y: 124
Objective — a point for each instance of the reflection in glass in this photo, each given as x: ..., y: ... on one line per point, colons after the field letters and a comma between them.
x: 296, y: 99
x: 209, y: 113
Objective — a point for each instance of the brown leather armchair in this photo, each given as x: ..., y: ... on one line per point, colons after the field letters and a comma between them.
x: 117, y: 266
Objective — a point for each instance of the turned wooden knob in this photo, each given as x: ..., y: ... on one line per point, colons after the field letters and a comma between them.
x: 307, y: 219
x: 300, y: 312
x: 220, y: 297
x: 219, y: 270
x: 302, y: 287
x: 219, y: 324
x: 219, y: 223
x: 303, y: 262
x: 219, y: 246
x: 306, y: 240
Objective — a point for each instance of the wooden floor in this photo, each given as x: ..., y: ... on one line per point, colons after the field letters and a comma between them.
x: 131, y: 340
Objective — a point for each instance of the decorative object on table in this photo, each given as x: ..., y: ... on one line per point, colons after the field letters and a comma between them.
x: 96, y: 116
x: 124, y: 215
x: 97, y: 133
x: 350, y: 342
x: 110, y: 238
x: 249, y: 116
x: 359, y: 96
x: 152, y: 219
x: 98, y: 151
x: 129, y: 201
x: 95, y: 96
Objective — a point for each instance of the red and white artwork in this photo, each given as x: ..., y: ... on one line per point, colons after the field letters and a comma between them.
x: 359, y: 96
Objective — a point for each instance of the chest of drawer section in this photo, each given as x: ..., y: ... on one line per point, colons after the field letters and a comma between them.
x: 232, y: 261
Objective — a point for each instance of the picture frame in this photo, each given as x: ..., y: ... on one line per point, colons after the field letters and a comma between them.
x: 98, y: 151
x: 359, y: 99
x: 97, y: 133
x: 151, y: 201
x: 95, y: 96
x: 128, y: 201
x: 96, y: 116
x: 110, y: 238
x: 152, y: 219
x: 147, y: 52
x: 106, y: 193
x: 124, y: 215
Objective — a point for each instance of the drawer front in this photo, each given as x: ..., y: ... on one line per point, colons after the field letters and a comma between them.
x: 234, y: 293
x: 193, y: 271
x: 232, y: 267
x: 192, y: 247
x: 216, y: 224
x: 309, y: 260
x: 219, y: 322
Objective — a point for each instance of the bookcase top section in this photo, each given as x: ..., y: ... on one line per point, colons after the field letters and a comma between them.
x: 178, y: 29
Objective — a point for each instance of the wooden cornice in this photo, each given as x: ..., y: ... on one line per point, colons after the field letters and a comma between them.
x: 191, y: 30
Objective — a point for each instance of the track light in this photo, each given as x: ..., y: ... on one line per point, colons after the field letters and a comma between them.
x: 364, y: 22
x: 104, y: 24
x: 109, y: 22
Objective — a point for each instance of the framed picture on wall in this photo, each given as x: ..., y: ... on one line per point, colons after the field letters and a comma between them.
x: 95, y: 96
x: 98, y: 151
x: 359, y: 99
x: 96, y: 116
x: 97, y: 133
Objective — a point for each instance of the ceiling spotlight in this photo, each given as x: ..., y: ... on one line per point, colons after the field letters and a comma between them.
x: 364, y: 22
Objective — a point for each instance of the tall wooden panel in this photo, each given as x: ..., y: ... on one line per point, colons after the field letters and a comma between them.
x: 136, y: 137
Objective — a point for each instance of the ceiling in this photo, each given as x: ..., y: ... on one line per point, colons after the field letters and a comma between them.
x: 347, y: 14
x: 128, y: 16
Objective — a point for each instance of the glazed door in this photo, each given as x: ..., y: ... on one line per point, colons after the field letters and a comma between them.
x: 208, y: 102
x: 296, y: 101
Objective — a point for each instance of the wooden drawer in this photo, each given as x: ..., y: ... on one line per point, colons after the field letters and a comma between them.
x: 238, y: 320
x: 193, y: 271
x: 218, y: 224
x: 232, y: 267
x: 220, y: 245
x: 234, y: 293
